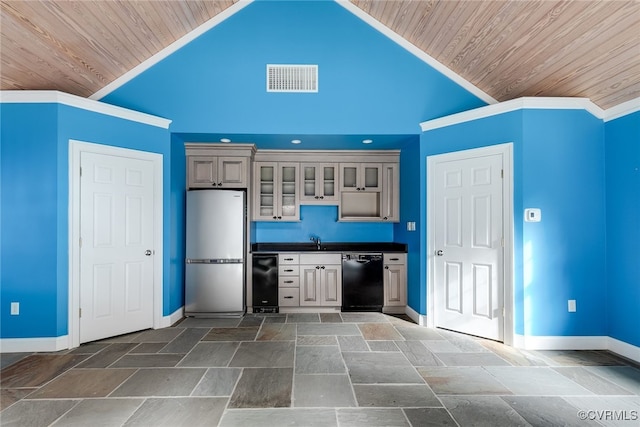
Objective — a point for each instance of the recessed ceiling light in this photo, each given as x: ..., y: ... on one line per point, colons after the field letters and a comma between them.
x: 367, y: 141
x: 295, y: 141
x: 225, y: 140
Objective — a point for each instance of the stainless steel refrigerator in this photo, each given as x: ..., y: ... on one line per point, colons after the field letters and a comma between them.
x: 215, y: 252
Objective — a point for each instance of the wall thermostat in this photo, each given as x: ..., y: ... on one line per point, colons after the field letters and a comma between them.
x: 532, y: 215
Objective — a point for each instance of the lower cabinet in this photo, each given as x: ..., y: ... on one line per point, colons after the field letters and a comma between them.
x: 288, y: 280
x: 395, y: 282
x: 321, y: 285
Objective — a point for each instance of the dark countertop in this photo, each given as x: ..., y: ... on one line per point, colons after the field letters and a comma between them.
x: 330, y: 247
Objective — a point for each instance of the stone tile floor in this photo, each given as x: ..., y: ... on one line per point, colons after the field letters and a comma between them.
x: 314, y: 369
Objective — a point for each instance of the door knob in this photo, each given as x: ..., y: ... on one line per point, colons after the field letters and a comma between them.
x: 148, y: 252
x: 439, y: 252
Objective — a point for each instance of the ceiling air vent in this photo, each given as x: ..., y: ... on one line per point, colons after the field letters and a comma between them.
x: 292, y: 78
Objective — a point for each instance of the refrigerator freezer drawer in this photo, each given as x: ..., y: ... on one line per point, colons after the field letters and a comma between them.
x: 214, y: 289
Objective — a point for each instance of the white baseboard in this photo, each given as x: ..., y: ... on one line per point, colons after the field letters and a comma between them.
x: 172, y: 318
x: 578, y: 343
x: 32, y: 345
x: 624, y: 349
x: 420, y: 319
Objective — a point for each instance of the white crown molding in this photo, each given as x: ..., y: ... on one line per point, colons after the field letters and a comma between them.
x: 173, y: 47
x: 420, y: 54
x: 56, y: 97
x: 621, y: 110
x: 29, y: 345
x: 513, y: 105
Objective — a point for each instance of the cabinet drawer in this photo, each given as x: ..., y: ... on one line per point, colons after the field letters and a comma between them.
x: 321, y: 259
x: 288, y: 270
x: 395, y: 258
x: 284, y: 259
x: 288, y: 297
x: 289, y: 281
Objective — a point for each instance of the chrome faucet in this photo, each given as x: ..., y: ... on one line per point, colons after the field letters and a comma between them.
x: 316, y: 240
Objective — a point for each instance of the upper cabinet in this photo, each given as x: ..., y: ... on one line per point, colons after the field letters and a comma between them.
x: 318, y: 183
x: 390, y: 192
x: 218, y: 165
x: 360, y: 176
x: 276, y: 196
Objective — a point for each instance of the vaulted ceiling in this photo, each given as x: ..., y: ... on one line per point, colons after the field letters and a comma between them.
x: 508, y: 49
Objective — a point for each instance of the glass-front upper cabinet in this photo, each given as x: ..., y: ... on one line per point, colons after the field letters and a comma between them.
x: 360, y: 176
x: 276, y: 197
x: 318, y: 183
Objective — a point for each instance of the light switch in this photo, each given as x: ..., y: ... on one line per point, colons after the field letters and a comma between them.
x: 532, y: 215
x: 571, y: 305
x: 411, y: 226
x: 15, y: 308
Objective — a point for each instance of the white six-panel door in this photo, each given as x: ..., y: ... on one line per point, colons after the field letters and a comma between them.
x: 116, y: 252
x: 468, y: 245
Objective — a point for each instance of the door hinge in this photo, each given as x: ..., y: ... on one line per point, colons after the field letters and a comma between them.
x: 79, y: 312
x: 502, y: 242
x: 80, y: 170
x: 501, y: 173
x: 504, y: 312
x: 80, y: 242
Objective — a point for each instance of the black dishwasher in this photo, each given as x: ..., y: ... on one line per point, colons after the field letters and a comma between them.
x: 265, y: 283
x: 362, y: 276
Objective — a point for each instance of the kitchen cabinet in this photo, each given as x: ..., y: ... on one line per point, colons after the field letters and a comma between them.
x: 360, y: 177
x: 395, y: 282
x: 318, y: 183
x: 276, y: 195
x: 217, y: 172
x: 288, y: 280
x: 390, y: 192
x: 214, y: 165
x: 320, y: 280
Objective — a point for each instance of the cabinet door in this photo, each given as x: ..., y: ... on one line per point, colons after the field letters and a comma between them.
x: 331, y: 285
x: 370, y: 177
x: 309, y: 182
x: 203, y: 171
x: 289, y: 199
x: 318, y: 183
x: 395, y: 279
x: 265, y: 192
x: 390, y: 192
x: 349, y: 176
x: 232, y: 172
x: 309, y: 285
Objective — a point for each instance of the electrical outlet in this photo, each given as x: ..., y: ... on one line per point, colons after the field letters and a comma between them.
x: 571, y: 305
x: 15, y: 308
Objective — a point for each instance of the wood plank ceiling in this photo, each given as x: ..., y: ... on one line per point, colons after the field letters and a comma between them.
x: 508, y: 49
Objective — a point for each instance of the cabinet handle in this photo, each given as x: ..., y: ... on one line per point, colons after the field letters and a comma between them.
x: 288, y: 259
x: 289, y: 297
x: 288, y: 271
x: 288, y: 281
x: 322, y: 197
x: 317, y: 267
x: 279, y: 217
x: 275, y: 217
x: 386, y: 267
x: 220, y: 184
x: 394, y: 259
x: 317, y: 197
x: 322, y: 267
x: 385, y: 218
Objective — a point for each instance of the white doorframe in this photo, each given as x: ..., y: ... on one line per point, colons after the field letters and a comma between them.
x: 507, y: 193
x: 75, y: 148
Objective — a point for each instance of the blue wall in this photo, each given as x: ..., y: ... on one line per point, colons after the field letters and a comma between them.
x: 367, y: 83
x: 558, y: 166
x: 35, y: 207
x: 623, y: 227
